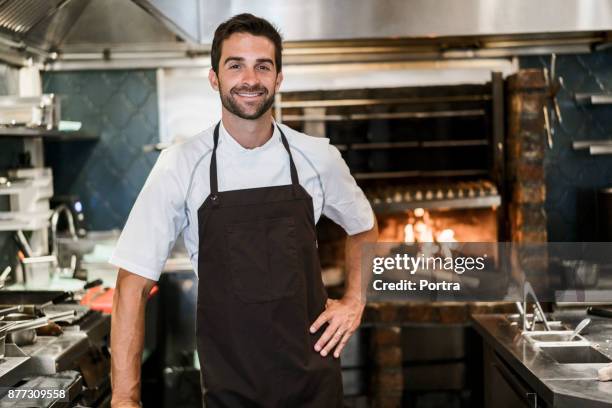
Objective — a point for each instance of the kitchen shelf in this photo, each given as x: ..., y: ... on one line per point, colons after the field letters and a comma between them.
x: 420, y: 173
x: 384, y: 115
x: 389, y: 101
x: 594, y: 99
x: 24, y: 221
x: 595, y: 147
x: 600, y: 149
x: 50, y: 135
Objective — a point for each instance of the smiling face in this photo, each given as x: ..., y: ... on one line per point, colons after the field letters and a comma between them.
x: 247, y: 79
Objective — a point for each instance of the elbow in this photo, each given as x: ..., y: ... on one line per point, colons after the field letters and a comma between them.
x: 132, y: 285
x: 370, y: 235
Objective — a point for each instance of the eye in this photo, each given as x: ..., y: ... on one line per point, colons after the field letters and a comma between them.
x: 264, y: 68
x: 234, y: 66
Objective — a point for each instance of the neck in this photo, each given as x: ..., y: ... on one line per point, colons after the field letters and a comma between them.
x: 249, y: 133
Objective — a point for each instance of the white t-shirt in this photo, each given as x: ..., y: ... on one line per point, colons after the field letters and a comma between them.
x: 179, y: 183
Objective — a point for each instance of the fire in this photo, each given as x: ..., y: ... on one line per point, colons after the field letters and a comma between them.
x: 425, y: 225
x: 420, y: 228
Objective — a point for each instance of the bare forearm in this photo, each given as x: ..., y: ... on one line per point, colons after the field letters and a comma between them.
x: 354, y: 251
x: 127, y: 337
x: 344, y: 315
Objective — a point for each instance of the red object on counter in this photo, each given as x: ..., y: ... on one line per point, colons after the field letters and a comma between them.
x: 101, y: 299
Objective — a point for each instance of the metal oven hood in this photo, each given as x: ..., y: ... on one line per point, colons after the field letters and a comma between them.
x: 45, y: 29
x: 316, y: 20
x: 102, y: 29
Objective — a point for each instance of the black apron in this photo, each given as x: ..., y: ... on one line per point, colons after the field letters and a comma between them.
x: 259, y: 290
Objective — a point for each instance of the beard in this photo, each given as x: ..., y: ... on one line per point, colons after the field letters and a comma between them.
x: 230, y: 103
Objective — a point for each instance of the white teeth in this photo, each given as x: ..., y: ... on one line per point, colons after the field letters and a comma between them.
x: 249, y: 94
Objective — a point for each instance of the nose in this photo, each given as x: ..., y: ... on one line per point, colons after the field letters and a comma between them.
x: 249, y: 77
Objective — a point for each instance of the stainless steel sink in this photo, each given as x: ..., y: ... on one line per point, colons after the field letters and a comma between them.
x: 576, y: 355
x: 516, y: 320
x: 559, y: 338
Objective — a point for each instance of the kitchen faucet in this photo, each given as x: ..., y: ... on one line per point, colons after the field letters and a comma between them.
x: 62, y: 208
x: 528, y: 291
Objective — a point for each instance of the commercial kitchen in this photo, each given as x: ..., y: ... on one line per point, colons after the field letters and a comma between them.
x: 462, y: 121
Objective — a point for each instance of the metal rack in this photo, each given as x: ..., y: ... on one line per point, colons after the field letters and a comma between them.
x: 477, y: 194
x: 390, y: 115
x: 326, y: 113
x: 413, y: 147
x: 419, y: 173
x: 415, y: 144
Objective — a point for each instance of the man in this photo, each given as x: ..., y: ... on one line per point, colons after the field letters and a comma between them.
x: 246, y: 194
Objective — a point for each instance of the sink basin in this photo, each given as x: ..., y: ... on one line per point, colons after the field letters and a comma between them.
x: 576, y: 355
x: 516, y: 319
x: 554, y: 338
x: 97, y: 244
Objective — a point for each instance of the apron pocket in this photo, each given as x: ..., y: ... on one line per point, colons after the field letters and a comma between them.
x: 263, y: 259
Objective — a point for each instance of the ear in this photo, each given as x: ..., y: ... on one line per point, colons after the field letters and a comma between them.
x: 212, y: 78
x: 279, y: 80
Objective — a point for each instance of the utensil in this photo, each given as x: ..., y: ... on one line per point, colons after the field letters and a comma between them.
x: 59, y: 316
x: 584, y: 323
x: 23, y: 244
x: 12, y: 309
x: 23, y: 332
x: 4, y: 275
x: 70, y: 294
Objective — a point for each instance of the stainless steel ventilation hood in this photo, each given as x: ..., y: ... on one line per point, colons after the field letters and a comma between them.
x: 316, y: 20
x: 47, y: 29
x: 65, y: 30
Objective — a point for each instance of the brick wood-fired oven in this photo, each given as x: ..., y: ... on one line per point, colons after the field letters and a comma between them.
x: 443, y: 163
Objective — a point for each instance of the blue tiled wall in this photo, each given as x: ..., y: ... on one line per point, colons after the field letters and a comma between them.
x: 573, y: 177
x: 121, y: 108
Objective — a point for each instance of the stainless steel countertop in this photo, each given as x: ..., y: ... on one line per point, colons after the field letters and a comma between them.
x: 560, y: 385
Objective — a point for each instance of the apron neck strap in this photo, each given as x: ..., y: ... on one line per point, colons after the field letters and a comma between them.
x: 294, y: 175
x: 214, y: 188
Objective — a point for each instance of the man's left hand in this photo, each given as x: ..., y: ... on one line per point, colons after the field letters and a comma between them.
x: 343, y: 317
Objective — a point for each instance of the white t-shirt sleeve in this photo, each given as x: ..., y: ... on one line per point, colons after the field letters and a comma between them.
x: 155, y: 221
x: 345, y: 203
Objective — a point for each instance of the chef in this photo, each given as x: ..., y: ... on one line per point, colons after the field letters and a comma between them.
x: 246, y: 195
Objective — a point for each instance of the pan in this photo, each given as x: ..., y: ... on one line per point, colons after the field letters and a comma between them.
x: 7, y: 328
x: 24, y: 330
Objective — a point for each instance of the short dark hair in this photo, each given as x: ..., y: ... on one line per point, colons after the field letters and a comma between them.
x: 246, y: 23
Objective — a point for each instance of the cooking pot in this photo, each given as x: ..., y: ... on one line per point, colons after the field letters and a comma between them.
x: 11, y: 327
x: 24, y: 331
